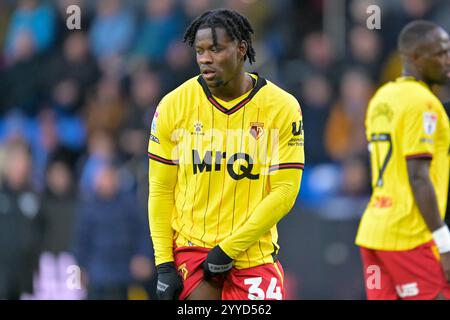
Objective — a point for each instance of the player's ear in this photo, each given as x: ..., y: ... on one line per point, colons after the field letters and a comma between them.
x: 418, y: 54
x: 419, y: 60
x: 242, y: 49
x: 415, y: 56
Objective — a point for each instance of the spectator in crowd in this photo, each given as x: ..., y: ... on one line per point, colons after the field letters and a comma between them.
x: 62, y: 15
x: 112, y: 245
x: 365, y: 50
x: 20, y: 223
x: 145, y: 92
x: 70, y: 73
x: 194, y: 8
x: 101, y: 150
x: 345, y: 133
x: 318, y: 53
x: 58, y: 208
x: 113, y: 29
x: 45, y: 140
x: 105, y: 108
x: 5, y: 15
x: 316, y: 94
x: 355, y: 177
x: 18, y: 88
x: 36, y: 19
x: 161, y: 25
x: 178, y: 66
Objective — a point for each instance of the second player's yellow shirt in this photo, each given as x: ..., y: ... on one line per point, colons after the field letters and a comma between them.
x: 405, y: 120
x: 226, y: 154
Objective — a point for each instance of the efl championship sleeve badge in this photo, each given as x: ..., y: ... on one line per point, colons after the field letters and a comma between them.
x: 154, y: 122
x: 429, y: 122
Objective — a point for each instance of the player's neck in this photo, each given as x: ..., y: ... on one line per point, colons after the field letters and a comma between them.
x: 234, y: 88
x: 410, y: 71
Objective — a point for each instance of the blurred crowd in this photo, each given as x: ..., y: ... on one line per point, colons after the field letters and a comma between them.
x: 76, y: 106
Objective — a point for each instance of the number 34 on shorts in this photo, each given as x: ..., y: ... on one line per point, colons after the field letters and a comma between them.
x: 255, y: 292
x: 264, y: 282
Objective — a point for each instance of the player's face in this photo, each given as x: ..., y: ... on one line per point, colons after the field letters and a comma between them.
x: 435, y: 58
x: 218, y: 64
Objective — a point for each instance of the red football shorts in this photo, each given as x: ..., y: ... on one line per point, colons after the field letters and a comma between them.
x: 412, y: 274
x: 264, y: 282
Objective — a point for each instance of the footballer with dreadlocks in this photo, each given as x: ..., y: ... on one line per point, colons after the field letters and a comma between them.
x: 226, y: 161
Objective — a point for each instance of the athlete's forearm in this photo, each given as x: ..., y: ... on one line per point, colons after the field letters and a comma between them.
x: 161, y: 203
x: 285, y: 185
x: 425, y: 197
x: 424, y: 193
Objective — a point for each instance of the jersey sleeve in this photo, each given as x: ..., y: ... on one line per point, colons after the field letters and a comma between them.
x: 162, y: 145
x: 288, y: 149
x: 163, y: 172
x: 419, y: 131
x: 284, y: 188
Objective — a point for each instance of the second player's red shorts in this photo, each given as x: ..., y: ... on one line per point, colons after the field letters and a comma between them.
x: 411, y: 274
x: 264, y: 282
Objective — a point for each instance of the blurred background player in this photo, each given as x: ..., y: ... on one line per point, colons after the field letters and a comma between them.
x: 402, y: 230
x: 226, y: 160
x: 447, y: 215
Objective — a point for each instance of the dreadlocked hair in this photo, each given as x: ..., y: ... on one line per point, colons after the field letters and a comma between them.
x: 236, y: 25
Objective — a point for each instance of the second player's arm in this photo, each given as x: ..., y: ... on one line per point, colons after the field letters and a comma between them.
x: 425, y: 196
x: 423, y: 190
x: 420, y: 134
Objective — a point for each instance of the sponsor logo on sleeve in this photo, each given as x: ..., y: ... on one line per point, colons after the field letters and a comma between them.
x: 155, y: 122
x: 297, y: 130
x: 426, y: 140
x: 429, y: 122
x: 154, y: 139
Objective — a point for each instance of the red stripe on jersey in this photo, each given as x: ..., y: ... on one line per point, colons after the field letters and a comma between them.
x: 290, y: 165
x: 420, y: 156
x: 233, y: 110
x: 162, y: 160
x: 218, y: 106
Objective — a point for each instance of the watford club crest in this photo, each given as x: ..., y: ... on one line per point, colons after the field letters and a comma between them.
x: 256, y: 129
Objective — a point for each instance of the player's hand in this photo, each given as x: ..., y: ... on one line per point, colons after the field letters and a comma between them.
x: 169, y: 284
x: 217, y: 262
x: 445, y: 262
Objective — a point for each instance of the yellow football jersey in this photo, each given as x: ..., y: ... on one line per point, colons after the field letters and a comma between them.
x: 404, y: 120
x: 226, y: 154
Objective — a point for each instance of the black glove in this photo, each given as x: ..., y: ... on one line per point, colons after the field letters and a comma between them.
x: 169, y: 284
x: 217, y: 262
